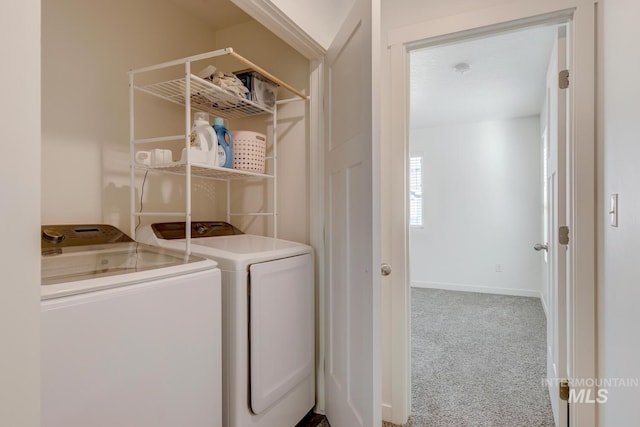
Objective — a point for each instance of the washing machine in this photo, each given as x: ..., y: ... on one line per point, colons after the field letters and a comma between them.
x: 268, y: 320
x: 130, y: 334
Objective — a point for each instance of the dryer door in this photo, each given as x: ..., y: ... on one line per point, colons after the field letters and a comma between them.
x: 281, y: 327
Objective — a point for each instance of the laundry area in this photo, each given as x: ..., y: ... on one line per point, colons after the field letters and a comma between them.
x: 178, y: 284
x: 205, y: 219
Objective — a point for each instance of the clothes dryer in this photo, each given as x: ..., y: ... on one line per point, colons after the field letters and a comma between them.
x: 268, y: 320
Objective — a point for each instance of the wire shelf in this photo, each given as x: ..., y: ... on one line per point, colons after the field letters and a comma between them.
x: 206, y: 171
x: 207, y: 97
x: 202, y: 95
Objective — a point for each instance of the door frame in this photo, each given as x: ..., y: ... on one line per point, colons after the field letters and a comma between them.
x: 581, y: 346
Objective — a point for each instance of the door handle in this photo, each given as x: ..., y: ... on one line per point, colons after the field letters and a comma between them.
x: 540, y: 247
x: 385, y: 269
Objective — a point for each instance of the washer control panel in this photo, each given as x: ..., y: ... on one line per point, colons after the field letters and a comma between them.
x: 80, y: 235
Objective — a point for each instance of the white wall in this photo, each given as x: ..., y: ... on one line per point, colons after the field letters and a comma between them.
x: 88, y: 46
x: 20, y: 214
x: 618, y: 248
x: 320, y: 20
x: 407, y: 12
x: 482, y: 207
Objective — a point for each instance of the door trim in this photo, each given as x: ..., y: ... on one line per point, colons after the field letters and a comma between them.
x: 316, y: 220
x: 581, y: 347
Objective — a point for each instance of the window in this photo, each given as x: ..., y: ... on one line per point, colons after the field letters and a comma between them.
x: 415, y: 190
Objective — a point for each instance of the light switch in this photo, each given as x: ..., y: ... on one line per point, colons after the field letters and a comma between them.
x: 613, y: 210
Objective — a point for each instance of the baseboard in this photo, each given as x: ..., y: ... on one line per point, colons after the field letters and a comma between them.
x: 544, y: 306
x: 386, y: 411
x: 386, y: 415
x: 473, y: 288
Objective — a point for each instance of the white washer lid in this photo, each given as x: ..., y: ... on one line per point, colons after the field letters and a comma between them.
x: 80, y: 269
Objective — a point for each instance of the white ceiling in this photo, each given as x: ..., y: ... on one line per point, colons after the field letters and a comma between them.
x: 506, y: 80
x: 217, y: 13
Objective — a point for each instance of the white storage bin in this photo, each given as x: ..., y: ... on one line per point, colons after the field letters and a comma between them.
x: 249, y: 151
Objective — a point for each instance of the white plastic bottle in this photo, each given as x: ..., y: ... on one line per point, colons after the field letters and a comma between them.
x: 204, y: 142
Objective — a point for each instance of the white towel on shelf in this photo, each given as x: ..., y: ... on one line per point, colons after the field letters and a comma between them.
x: 226, y: 81
x: 207, y: 72
x: 231, y: 83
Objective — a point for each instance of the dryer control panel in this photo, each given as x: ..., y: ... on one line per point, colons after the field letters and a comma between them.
x: 176, y: 230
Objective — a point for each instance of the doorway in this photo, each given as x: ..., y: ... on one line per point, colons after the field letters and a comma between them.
x: 580, y: 218
x: 478, y: 114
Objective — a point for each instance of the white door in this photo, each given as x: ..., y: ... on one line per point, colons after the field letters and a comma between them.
x: 352, y: 366
x: 556, y: 184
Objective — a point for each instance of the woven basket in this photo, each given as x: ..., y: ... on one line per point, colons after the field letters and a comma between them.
x: 249, y: 151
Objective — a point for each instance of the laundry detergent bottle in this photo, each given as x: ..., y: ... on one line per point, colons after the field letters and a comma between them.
x: 225, y: 143
x: 204, y: 141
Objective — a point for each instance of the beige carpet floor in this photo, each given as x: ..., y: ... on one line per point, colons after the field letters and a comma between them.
x: 478, y: 360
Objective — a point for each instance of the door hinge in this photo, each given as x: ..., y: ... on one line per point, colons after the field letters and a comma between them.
x: 563, y: 79
x: 563, y: 235
x: 564, y: 389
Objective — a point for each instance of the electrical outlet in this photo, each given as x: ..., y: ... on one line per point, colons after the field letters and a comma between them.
x: 498, y: 268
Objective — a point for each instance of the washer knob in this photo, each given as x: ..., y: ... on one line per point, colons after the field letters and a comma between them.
x: 52, y: 236
x: 201, y: 228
